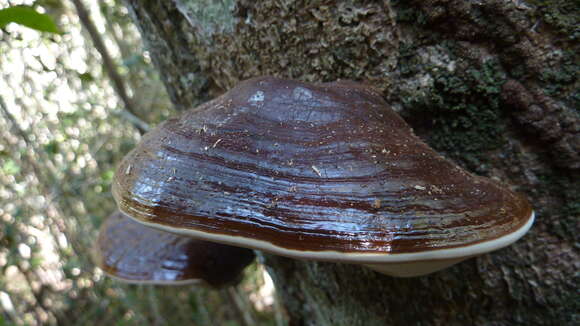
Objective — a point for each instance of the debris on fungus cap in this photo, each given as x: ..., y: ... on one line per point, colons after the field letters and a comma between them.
x: 135, y: 253
x: 315, y: 171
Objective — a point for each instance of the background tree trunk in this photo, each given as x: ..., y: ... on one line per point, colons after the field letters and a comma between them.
x: 491, y: 84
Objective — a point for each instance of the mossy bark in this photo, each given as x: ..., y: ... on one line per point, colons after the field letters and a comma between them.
x: 491, y: 84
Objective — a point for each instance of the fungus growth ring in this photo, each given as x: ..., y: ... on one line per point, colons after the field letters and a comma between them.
x: 315, y: 171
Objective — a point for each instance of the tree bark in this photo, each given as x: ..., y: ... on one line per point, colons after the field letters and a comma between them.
x: 491, y: 84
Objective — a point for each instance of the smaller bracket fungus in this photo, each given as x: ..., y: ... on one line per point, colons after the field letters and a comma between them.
x: 315, y: 171
x: 134, y: 253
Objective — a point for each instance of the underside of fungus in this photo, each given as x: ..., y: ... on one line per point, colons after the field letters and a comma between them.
x: 134, y: 253
x: 315, y: 171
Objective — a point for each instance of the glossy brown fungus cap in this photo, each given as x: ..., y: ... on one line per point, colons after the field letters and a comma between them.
x: 319, y: 171
x: 135, y: 253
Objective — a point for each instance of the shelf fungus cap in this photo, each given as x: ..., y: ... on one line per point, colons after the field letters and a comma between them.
x: 315, y: 171
x: 134, y: 253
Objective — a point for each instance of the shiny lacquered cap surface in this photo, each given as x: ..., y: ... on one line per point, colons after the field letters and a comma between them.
x: 320, y: 171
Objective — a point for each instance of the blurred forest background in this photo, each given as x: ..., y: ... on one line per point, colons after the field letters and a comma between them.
x: 63, y: 127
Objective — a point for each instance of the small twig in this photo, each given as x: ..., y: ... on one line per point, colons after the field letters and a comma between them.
x: 243, y: 316
x: 13, y: 121
x: 141, y: 125
x: 154, y: 307
x: 201, y: 306
x: 108, y: 63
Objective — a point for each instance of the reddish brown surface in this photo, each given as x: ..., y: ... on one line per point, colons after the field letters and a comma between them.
x: 133, y: 252
x: 310, y: 167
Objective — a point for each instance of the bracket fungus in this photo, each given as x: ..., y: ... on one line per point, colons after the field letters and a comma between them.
x: 134, y: 253
x: 315, y: 171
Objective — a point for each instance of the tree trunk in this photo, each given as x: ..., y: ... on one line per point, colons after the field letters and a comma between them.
x: 491, y: 84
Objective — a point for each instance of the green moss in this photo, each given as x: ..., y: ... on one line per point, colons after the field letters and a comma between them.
x: 409, y: 62
x: 208, y: 14
x: 461, y: 111
x: 406, y: 13
x: 561, y: 81
x: 562, y: 15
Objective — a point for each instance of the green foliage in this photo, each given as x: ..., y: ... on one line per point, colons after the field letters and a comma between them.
x: 3, y: 322
x: 9, y: 235
x: 28, y: 17
x: 52, y: 147
x: 86, y: 77
x: 10, y: 167
x: 107, y: 176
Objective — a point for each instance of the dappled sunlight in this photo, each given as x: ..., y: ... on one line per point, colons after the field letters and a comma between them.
x: 263, y: 298
x: 64, y: 129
